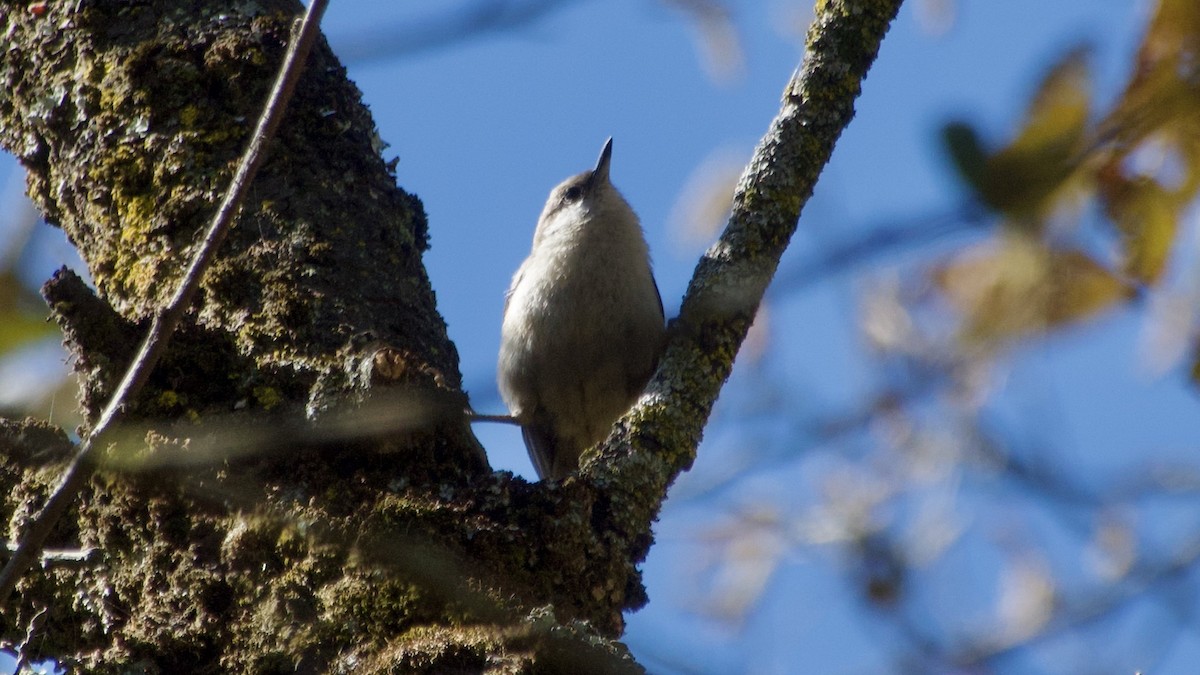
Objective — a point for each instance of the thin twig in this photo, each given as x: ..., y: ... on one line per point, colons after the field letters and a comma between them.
x: 168, y: 318
x: 31, y: 631
x: 474, y: 417
x: 59, y: 557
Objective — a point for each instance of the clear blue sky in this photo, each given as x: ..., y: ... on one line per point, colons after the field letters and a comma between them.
x: 485, y: 127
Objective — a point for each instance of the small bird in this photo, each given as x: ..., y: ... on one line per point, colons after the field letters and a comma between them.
x: 583, y: 322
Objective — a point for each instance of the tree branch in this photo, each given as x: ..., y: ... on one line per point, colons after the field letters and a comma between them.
x: 657, y: 439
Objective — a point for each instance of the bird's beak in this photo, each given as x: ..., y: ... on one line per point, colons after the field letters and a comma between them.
x: 600, y: 173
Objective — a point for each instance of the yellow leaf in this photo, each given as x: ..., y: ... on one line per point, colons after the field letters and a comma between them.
x: 1014, y: 286
x: 1147, y: 217
x: 19, y: 328
x: 1021, y: 178
x: 1162, y: 98
x: 22, y: 314
x: 1060, y: 108
x: 1081, y: 287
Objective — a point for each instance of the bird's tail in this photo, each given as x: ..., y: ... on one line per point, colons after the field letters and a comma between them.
x: 540, y: 442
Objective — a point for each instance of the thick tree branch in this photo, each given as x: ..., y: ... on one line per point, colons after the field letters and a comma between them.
x: 658, y: 438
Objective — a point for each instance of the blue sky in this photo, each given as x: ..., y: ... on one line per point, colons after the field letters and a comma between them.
x: 483, y: 129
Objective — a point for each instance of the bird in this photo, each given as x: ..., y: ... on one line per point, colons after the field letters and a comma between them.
x: 583, y: 323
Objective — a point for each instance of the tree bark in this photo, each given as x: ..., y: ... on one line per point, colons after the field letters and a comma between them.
x: 299, y: 490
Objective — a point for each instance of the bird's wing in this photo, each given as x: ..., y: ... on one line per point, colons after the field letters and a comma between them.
x: 513, y: 286
x: 658, y: 296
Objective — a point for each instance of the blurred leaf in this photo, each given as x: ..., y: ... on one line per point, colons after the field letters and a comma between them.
x: 1020, y: 178
x: 1164, y: 84
x: 1153, y: 100
x: 1162, y: 98
x: 1160, y: 105
x: 1028, y: 596
x: 1060, y: 107
x: 707, y: 196
x: 1172, y: 36
x: 717, y: 37
x: 936, y: 17
x: 19, y: 328
x: 1081, y: 287
x: 22, y: 314
x: 967, y: 152
x: 1147, y: 217
x: 1015, y: 285
x: 16, y: 295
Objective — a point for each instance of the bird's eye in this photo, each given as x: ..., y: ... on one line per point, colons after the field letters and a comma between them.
x: 573, y: 193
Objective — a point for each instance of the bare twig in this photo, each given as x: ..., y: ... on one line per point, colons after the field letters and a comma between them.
x: 168, y: 318
x: 59, y: 557
x: 31, y: 631
x: 474, y: 417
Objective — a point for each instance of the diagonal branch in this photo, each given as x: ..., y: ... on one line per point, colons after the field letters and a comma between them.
x: 657, y: 440
x: 168, y: 318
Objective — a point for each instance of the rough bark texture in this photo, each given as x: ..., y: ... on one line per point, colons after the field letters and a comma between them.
x: 259, y: 517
